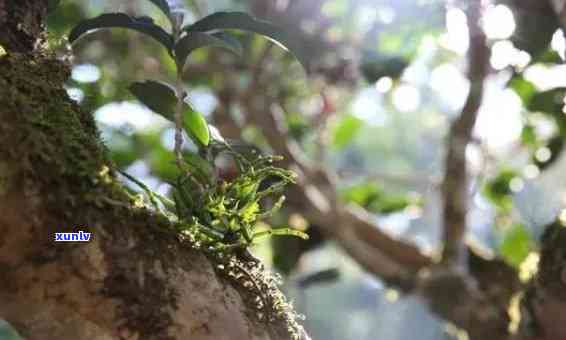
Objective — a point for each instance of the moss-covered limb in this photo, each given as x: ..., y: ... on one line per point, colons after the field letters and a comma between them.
x: 135, y: 278
x: 543, y: 304
x: 21, y: 24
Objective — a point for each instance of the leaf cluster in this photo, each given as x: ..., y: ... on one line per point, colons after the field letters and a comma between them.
x: 221, y: 214
x: 225, y: 213
x: 214, y: 212
x: 210, y: 31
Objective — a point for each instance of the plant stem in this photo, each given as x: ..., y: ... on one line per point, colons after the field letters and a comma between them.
x: 180, y: 93
x: 179, y: 120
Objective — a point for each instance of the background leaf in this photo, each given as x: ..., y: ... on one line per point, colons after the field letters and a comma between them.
x: 245, y: 22
x: 160, y: 98
x: 144, y: 25
x: 516, y: 244
x: 555, y: 145
x: 550, y: 101
x: 375, y: 66
x: 523, y: 88
x: 498, y: 190
x: 345, y: 130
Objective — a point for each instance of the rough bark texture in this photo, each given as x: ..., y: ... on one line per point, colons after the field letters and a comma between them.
x: 544, y: 302
x: 135, y: 279
x: 21, y: 24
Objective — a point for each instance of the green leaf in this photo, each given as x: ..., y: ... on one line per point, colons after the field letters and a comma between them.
x: 534, y: 29
x: 345, y: 130
x: 550, y: 101
x: 372, y: 197
x: 199, y: 167
x: 523, y: 88
x: 362, y: 194
x: 529, y: 136
x: 375, y: 66
x: 245, y: 22
x: 390, y: 204
x: 163, y: 6
x: 555, y: 145
x: 195, y: 40
x: 158, y: 96
x: 120, y: 20
x: 281, y: 232
x: 196, y: 126
x: 498, y: 190
x: 549, y: 56
x: 516, y: 244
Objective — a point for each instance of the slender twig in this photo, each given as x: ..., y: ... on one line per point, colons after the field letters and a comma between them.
x: 392, y: 258
x: 179, y: 120
x: 180, y: 93
x: 455, y: 184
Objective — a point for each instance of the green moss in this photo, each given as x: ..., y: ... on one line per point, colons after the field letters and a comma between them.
x: 61, y: 135
x: 54, y: 144
x: 55, y: 157
x: 47, y: 142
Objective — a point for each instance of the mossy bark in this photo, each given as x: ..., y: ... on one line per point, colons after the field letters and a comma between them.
x: 134, y: 279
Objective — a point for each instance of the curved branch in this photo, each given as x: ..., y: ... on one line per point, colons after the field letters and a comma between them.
x: 455, y: 185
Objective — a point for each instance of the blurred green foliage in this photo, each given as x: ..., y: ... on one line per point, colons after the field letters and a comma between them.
x: 498, y: 189
x: 375, y: 199
x: 7, y: 332
x: 345, y: 130
x: 517, y: 243
x: 348, y: 45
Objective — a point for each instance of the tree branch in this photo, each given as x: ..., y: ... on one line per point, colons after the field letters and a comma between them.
x: 455, y: 185
x: 395, y: 261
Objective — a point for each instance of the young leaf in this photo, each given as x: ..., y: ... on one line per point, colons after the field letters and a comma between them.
x: 163, y: 6
x: 550, y: 102
x: 120, y: 20
x: 196, y: 126
x: 345, y: 131
x: 195, y: 40
x: 516, y: 244
x: 199, y: 167
x: 159, y: 97
x: 554, y: 146
x: 245, y: 22
x: 498, y: 190
x: 281, y: 232
x: 524, y: 88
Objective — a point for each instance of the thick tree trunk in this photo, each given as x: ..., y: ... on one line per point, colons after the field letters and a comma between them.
x: 135, y: 279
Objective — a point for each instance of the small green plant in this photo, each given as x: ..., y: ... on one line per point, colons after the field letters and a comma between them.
x: 215, y: 213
